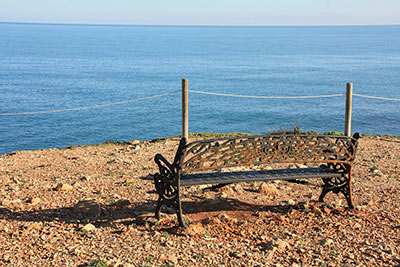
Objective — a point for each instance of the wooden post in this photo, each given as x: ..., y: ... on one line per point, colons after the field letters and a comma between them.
x: 349, y: 99
x: 185, y: 109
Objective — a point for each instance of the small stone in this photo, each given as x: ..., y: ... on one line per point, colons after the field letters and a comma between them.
x: 222, y: 195
x: 130, y: 180
x: 326, y: 242
x: 227, y: 190
x: 135, y: 142
x: 162, y: 257
x: 4, y: 210
x: 88, y: 209
x: 237, y: 188
x: 146, y: 218
x: 35, y: 225
x: 316, y: 211
x: 281, y: 245
x: 14, y: 204
x: 237, y: 254
x: 172, y: 258
x: 35, y: 200
x: 291, y: 202
x: 301, y: 166
x: 85, y: 178
x: 89, y: 227
x: 269, y: 189
x: 204, y: 186
x: 64, y: 187
x: 196, y: 229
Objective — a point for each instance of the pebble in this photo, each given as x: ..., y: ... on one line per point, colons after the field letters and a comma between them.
x: 35, y: 200
x: 64, y: 187
x: 89, y: 227
x: 269, y: 189
x: 326, y: 242
x: 85, y: 178
x: 88, y: 209
x: 196, y: 229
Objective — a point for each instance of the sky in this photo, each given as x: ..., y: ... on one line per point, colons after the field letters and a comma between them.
x: 203, y: 12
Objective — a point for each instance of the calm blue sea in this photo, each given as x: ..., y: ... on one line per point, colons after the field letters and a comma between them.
x: 47, y: 67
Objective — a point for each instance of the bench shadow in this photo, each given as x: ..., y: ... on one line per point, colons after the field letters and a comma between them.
x: 128, y: 213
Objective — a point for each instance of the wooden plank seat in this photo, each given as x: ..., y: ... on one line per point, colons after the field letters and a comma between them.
x: 252, y: 176
x: 208, y: 162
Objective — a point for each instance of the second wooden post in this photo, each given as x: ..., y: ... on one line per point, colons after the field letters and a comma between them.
x: 185, y: 109
x: 349, y: 99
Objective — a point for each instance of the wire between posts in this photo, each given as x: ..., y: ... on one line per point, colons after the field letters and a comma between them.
x: 265, y: 97
x: 89, y: 107
x: 377, y: 97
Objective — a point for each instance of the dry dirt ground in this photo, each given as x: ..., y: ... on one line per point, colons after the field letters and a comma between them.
x: 93, y: 206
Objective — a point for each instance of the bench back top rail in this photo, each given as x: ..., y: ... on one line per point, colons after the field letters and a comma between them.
x: 215, y: 154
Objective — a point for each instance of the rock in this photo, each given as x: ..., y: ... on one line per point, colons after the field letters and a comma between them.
x: 204, y: 186
x: 281, y: 245
x: 35, y: 225
x: 195, y: 229
x: 85, y: 178
x: 222, y: 195
x: 64, y: 187
x: 172, y: 258
x: 211, y: 220
x: 35, y: 200
x: 326, y: 242
x: 263, y: 198
x: 269, y: 189
x: 135, y: 142
x: 88, y: 209
x: 13, y: 204
x: 291, y: 202
x: 130, y: 180
x: 301, y: 166
x: 225, y: 218
x: 237, y: 254
x: 227, y: 190
x: 162, y: 257
x: 275, y: 245
x: 146, y: 217
x: 316, y: 211
x: 237, y: 188
x: 4, y: 210
x: 89, y: 227
x: 115, y: 196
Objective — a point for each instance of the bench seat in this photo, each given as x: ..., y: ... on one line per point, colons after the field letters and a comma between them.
x: 251, y: 176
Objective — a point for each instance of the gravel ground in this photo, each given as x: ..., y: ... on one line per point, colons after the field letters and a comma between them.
x: 93, y: 206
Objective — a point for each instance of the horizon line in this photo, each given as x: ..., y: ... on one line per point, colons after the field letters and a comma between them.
x: 192, y: 25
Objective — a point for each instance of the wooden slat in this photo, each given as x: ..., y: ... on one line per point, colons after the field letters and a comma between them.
x: 250, y: 176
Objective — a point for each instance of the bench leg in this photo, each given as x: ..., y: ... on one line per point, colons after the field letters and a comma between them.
x: 158, y: 208
x: 325, y: 190
x: 168, y: 195
x: 345, y: 189
x: 179, y: 212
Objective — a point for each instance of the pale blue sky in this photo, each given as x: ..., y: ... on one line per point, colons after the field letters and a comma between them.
x: 204, y: 12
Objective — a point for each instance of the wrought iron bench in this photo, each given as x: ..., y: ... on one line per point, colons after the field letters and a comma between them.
x: 204, y: 162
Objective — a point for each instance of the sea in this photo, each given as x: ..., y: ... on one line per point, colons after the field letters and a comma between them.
x: 47, y: 67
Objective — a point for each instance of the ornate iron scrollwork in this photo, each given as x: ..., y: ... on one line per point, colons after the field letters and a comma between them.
x: 338, y: 184
x: 167, y: 184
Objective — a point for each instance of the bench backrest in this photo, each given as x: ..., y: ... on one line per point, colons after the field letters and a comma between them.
x: 262, y: 150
